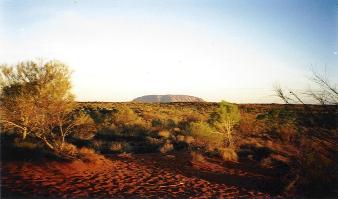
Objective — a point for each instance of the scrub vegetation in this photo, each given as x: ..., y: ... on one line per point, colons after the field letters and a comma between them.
x: 40, y: 121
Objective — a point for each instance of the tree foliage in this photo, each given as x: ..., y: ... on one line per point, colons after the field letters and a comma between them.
x: 36, y: 100
x: 225, y: 118
x: 205, y: 135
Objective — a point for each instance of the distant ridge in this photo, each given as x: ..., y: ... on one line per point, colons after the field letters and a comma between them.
x: 167, y: 98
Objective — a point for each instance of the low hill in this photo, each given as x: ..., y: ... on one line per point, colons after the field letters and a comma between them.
x: 167, y: 98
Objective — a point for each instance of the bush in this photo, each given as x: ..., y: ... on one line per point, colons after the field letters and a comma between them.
x: 163, y: 123
x: 224, y: 119
x: 102, y: 117
x: 184, y: 124
x: 281, y: 124
x: 317, y: 175
x: 156, y: 123
x: 125, y: 116
x: 36, y: 101
x: 205, y: 136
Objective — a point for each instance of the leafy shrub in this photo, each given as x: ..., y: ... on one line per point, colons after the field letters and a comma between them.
x: 156, y: 122
x: 102, y: 117
x: 36, y: 101
x: 85, y: 127
x: 184, y: 124
x: 281, y: 124
x: 205, y: 136
x: 224, y: 118
x: 163, y: 123
x: 170, y: 124
x: 125, y: 116
x: 317, y: 175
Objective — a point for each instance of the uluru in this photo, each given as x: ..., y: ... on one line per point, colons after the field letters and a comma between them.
x: 167, y: 99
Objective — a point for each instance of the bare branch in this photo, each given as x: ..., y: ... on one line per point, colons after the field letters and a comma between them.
x: 279, y: 91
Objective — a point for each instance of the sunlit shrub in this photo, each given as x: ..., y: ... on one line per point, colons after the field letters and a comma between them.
x: 184, y: 124
x: 224, y: 118
x: 164, y: 134
x: 126, y: 116
x: 188, y: 139
x: 205, y: 136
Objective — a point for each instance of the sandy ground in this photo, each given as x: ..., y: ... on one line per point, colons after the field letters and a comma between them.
x: 137, y: 176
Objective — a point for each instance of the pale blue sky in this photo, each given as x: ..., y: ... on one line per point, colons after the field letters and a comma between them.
x: 215, y: 49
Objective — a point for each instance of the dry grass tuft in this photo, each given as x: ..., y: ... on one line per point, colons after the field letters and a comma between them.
x: 89, y: 155
x: 180, y: 138
x: 197, y: 157
x: 188, y: 139
x: 229, y: 154
x: 116, y: 146
x: 166, y: 147
x: 164, y: 134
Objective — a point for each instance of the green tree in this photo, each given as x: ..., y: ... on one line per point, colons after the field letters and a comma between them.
x: 224, y: 118
x: 36, y: 100
x: 205, y: 136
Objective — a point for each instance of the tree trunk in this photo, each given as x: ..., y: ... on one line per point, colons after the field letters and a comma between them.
x: 62, y: 141
x: 49, y: 145
x: 229, y: 135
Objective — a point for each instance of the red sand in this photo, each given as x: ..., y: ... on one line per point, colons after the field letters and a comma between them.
x: 149, y: 175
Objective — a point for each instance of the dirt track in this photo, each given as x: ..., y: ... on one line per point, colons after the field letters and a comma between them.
x: 138, y: 176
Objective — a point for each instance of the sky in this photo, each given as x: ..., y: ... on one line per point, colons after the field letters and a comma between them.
x: 233, y: 50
